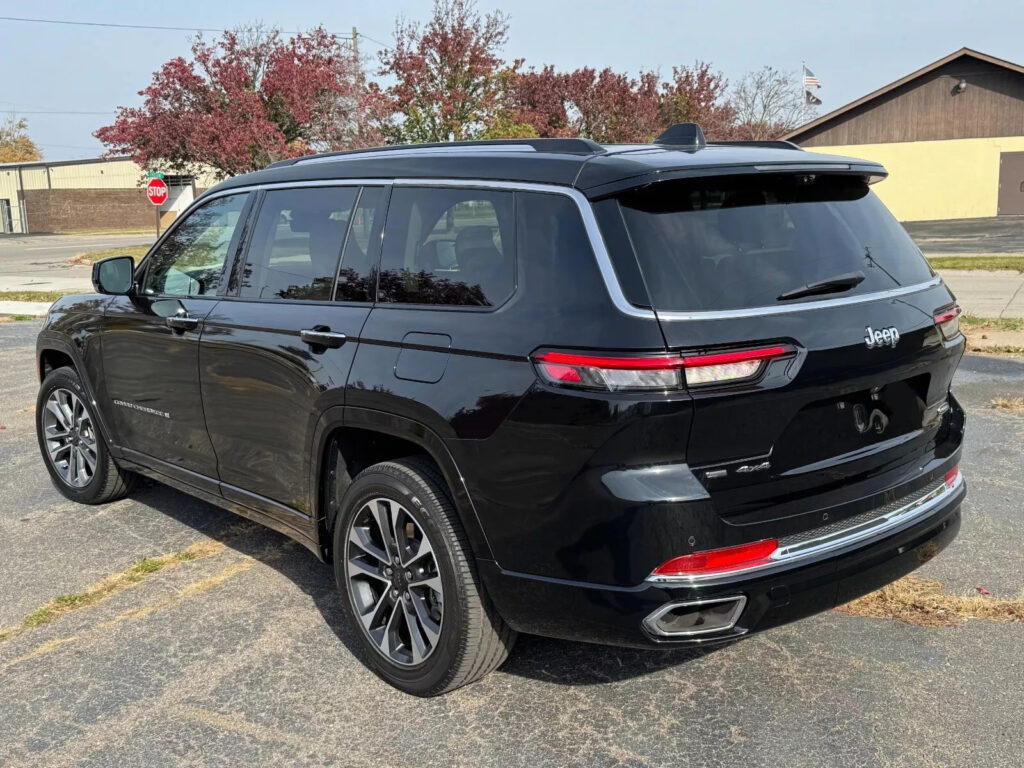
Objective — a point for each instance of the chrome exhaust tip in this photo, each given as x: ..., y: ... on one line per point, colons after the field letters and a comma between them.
x: 696, y: 618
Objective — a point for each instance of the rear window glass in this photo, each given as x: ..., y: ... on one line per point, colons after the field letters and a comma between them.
x: 743, y: 241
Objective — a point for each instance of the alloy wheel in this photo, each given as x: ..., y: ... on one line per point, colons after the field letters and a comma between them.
x: 394, y: 582
x: 70, y: 438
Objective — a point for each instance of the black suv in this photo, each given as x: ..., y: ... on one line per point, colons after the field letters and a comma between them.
x: 650, y: 395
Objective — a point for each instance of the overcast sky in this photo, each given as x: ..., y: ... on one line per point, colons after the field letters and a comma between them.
x: 853, y: 47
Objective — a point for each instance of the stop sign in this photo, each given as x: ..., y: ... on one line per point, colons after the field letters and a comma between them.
x: 157, y: 191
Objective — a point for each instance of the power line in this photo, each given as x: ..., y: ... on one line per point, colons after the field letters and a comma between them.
x: 113, y: 25
x: 61, y: 112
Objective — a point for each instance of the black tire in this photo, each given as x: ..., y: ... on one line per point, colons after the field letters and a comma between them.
x: 106, y: 481
x: 473, y: 639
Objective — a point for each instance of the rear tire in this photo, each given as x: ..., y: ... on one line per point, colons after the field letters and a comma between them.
x: 73, y: 448
x: 413, y: 594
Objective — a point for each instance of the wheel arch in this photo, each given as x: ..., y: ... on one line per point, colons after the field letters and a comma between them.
x: 54, y: 351
x: 396, y: 437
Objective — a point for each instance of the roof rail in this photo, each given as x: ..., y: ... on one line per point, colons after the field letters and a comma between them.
x: 683, y: 136
x: 769, y: 143
x: 564, y: 146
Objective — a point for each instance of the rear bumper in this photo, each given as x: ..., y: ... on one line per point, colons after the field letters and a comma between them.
x: 770, y: 597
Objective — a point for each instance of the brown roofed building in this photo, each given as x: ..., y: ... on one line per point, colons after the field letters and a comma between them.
x: 951, y: 135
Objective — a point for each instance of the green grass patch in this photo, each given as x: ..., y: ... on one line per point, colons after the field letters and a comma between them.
x: 50, y: 296
x: 39, y: 617
x: 138, y: 251
x: 1013, y: 263
x: 16, y: 318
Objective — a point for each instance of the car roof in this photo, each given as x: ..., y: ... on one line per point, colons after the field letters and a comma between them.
x: 597, y: 170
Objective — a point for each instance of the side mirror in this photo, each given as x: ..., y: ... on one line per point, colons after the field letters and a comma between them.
x: 114, y: 275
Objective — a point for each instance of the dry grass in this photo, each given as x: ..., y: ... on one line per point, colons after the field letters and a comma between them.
x: 50, y: 296
x: 138, y: 251
x: 1009, y: 404
x: 110, y: 586
x: 927, y: 604
x: 975, y: 323
x: 15, y: 318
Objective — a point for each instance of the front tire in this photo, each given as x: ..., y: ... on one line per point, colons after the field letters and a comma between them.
x: 409, y: 583
x: 73, y: 449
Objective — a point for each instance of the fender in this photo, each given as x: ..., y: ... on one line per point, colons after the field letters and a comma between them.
x: 49, y: 340
x: 407, y: 429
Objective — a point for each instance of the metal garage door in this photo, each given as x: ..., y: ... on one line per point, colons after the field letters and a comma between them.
x: 1011, y: 183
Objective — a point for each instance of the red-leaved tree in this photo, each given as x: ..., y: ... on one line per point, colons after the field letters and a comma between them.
x: 697, y: 94
x: 447, y: 76
x: 612, y: 107
x: 245, y: 101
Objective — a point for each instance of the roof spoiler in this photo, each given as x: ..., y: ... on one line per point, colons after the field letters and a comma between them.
x: 683, y: 136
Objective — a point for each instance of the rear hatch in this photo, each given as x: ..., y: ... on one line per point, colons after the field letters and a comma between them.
x: 814, y: 264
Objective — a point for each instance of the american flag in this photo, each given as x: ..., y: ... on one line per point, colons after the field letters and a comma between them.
x: 810, y: 81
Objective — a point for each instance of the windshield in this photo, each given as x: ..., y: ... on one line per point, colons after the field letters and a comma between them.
x: 738, y: 242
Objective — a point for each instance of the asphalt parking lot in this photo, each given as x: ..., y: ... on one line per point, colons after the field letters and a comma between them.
x: 239, y: 656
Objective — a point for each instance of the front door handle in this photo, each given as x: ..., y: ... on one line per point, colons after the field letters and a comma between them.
x: 182, y: 323
x: 316, y: 337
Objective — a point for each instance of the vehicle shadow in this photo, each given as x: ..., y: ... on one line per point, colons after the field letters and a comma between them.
x: 536, y: 658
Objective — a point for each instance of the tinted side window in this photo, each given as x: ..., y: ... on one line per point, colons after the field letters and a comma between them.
x: 448, y: 246
x: 296, y: 243
x: 190, y: 262
x: 355, y: 280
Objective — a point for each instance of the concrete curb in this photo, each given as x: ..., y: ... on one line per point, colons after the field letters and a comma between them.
x: 34, y: 308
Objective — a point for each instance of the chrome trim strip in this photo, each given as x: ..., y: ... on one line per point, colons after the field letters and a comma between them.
x: 788, y: 556
x: 651, y: 622
x: 604, y: 262
x: 730, y: 314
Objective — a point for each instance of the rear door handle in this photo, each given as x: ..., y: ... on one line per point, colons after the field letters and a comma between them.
x: 182, y: 323
x: 317, y: 338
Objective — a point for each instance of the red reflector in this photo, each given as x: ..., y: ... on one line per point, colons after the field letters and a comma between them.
x: 952, y: 475
x: 722, y: 358
x: 945, y: 317
x: 657, y: 363
x: 563, y: 373
x: 720, y: 560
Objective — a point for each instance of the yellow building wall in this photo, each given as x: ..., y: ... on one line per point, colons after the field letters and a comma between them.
x: 928, y: 180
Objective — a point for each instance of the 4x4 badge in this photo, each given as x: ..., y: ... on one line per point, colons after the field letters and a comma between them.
x: 881, y: 337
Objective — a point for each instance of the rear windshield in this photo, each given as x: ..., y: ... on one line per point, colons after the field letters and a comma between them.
x: 749, y: 241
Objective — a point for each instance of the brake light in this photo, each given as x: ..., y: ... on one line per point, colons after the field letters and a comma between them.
x: 948, y: 321
x: 724, y: 560
x: 952, y: 476
x: 719, y: 367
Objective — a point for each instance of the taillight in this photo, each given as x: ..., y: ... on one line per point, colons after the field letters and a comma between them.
x: 723, y: 560
x: 729, y: 367
x: 952, y: 476
x: 612, y: 373
x: 655, y: 372
x: 947, y: 320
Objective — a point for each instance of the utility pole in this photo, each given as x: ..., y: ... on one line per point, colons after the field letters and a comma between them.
x: 355, y: 52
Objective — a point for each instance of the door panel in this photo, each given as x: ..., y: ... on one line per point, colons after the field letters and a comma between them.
x: 1011, y: 183
x: 151, y: 369
x: 264, y: 389
x: 276, y: 356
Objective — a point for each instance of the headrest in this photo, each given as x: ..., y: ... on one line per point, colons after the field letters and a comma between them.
x: 474, y: 237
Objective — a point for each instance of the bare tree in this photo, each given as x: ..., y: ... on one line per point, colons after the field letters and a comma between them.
x: 770, y: 103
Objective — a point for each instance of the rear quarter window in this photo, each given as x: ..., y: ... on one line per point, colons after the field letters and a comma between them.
x: 743, y: 242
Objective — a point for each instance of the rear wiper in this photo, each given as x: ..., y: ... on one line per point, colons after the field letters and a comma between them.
x: 832, y: 285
